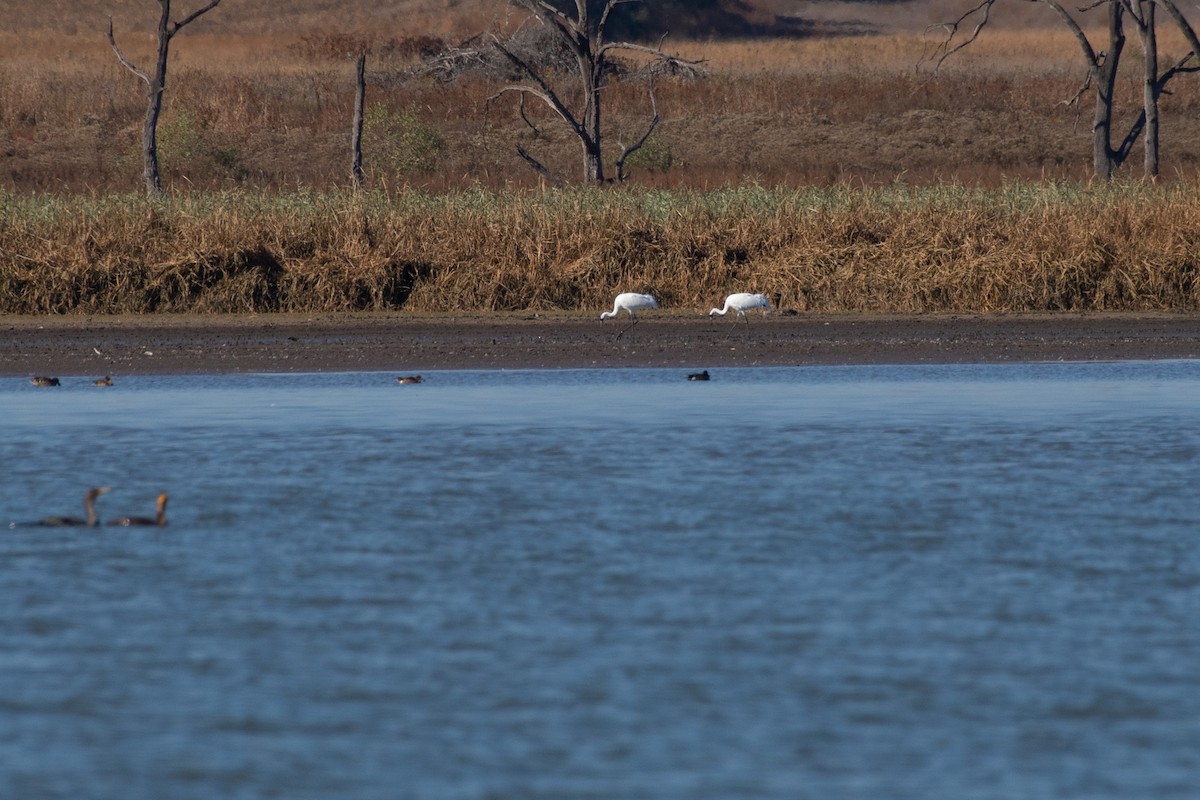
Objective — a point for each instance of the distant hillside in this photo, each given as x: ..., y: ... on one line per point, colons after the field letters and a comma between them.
x: 681, y: 19
x: 694, y: 19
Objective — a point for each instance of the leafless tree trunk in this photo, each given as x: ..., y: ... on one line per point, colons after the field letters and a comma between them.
x: 1102, y: 68
x: 1142, y: 12
x: 360, y: 93
x: 156, y: 85
x: 585, y: 36
x: 1154, y: 82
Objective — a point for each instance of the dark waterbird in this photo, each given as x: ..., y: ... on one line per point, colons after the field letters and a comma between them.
x: 159, y: 520
x: 89, y: 507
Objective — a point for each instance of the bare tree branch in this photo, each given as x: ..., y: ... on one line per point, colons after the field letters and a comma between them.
x: 522, y: 91
x: 542, y: 91
x: 1074, y: 99
x: 1179, y: 68
x: 538, y: 167
x: 550, y: 13
x: 1188, y: 32
x: 121, y: 56
x: 608, y: 7
x: 946, y: 48
x: 525, y: 117
x: 626, y: 152
x: 674, y: 64
x: 1094, y: 59
x: 1135, y: 131
x: 192, y: 17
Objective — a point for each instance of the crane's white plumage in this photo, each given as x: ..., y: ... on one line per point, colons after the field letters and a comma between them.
x: 631, y: 302
x: 741, y: 303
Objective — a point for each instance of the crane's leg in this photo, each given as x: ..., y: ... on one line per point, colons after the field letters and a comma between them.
x: 627, y: 327
x: 733, y: 327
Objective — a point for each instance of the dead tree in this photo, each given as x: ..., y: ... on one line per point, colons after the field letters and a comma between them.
x: 360, y: 92
x: 155, y: 86
x: 1101, y: 75
x: 1154, y: 82
x: 1102, y: 68
x: 584, y: 35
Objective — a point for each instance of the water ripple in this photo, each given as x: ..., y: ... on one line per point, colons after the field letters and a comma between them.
x: 899, y: 582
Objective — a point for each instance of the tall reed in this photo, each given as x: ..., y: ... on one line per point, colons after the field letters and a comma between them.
x: 898, y: 249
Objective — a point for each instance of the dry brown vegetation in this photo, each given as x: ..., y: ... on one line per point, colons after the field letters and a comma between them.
x: 260, y: 98
x: 896, y: 249
x: 890, y: 191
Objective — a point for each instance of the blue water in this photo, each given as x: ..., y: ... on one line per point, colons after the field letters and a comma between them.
x: 859, y: 582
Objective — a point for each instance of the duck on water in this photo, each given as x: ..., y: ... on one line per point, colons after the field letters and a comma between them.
x: 159, y: 520
x: 89, y: 521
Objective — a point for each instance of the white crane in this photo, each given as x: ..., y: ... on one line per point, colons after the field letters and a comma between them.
x: 741, y: 303
x: 633, y: 303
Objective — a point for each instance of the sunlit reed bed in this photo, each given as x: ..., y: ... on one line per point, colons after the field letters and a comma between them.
x: 948, y: 248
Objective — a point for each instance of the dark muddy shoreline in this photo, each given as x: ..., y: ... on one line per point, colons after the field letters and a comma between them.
x: 94, y: 346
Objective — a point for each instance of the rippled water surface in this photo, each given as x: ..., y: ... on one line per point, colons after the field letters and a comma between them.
x: 862, y: 582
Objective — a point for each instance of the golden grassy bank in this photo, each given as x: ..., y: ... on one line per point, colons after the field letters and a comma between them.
x: 899, y: 249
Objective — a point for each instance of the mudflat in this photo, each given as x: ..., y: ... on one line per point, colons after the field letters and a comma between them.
x: 197, y: 344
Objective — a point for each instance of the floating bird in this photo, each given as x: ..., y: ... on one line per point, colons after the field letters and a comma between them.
x: 633, y: 303
x: 105, y: 381
x: 160, y: 517
x: 741, y: 303
x: 698, y: 376
x: 89, y: 506
x: 42, y: 380
x: 409, y: 379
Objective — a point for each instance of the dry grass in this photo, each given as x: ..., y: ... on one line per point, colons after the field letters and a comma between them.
x: 898, y: 250
x: 260, y: 99
x: 896, y: 191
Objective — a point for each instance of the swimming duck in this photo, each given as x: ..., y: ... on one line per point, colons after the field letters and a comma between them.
x: 159, y: 520
x: 89, y: 506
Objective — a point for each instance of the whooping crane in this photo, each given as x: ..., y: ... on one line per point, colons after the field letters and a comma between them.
x: 741, y: 303
x: 633, y: 303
